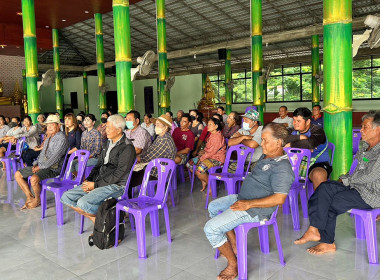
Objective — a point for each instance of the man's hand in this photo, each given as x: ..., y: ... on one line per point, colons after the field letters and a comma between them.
x: 240, y: 205
x: 201, y: 153
x: 287, y: 145
x: 138, y: 159
x: 35, y: 169
x: 194, y: 154
x: 303, y: 137
x: 88, y: 186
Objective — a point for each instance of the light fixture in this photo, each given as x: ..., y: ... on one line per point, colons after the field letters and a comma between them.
x: 17, y: 47
x: 63, y: 20
x: 86, y: 12
x: 47, y: 26
x: 3, y: 46
x: 19, y: 13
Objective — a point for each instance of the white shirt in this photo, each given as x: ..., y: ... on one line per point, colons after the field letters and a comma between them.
x: 256, y: 136
x: 287, y: 120
x: 150, y: 129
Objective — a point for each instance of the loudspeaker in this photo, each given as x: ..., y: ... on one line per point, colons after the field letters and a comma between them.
x: 222, y: 53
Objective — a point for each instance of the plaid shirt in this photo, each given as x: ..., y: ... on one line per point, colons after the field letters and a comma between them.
x: 366, y: 177
x: 162, y: 147
x: 92, y: 142
x: 102, y: 129
x: 53, y: 151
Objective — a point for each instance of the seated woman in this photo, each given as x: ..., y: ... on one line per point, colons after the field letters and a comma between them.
x: 15, y: 125
x: 102, y: 126
x: 174, y: 125
x: 30, y: 132
x: 80, y: 118
x: 233, y: 125
x: 148, y: 125
x: 196, y: 124
x: 162, y: 147
x: 91, y: 141
x: 3, y: 127
x: 73, y: 133
x: 213, y: 155
x: 41, y: 127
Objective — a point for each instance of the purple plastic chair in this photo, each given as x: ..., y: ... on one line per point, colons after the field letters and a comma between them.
x: 241, y: 232
x: 13, y: 161
x: 356, y: 136
x: 310, y: 187
x: 144, y: 204
x: 61, y: 184
x: 181, y: 172
x: 298, y: 187
x: 192, y: 174
x: 230, y: 179
x: 87, y: 171
x: 365, y: 226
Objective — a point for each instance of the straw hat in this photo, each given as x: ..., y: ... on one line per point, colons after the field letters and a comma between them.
x: 53, y: 119
x: 165, y: 120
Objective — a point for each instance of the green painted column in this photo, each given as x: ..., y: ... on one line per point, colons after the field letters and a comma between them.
x: 257, y: 56
x: 315, y: 69
x: 85, y: 93
x: 24, y: 87
x: 57, y: 69
x: 100, y: 61
x: 31, y: 61
x: 163, y: 66
x: 123, y: 55
x: 228, y: 75
x: 337, y: 81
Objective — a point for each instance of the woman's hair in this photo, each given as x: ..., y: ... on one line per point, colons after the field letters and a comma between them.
x: 2, y: 117
x: 18, y: 122
x: 105, y: 113
x: 148, y: 115
x: 170, y: 113
x: 91, y: 117
x: 73, y: 119
x: 29, y: 118
x: 236, y: 118
x: 218, y: 123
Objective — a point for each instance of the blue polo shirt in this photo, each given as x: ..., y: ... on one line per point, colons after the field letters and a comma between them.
x: 269, y: 176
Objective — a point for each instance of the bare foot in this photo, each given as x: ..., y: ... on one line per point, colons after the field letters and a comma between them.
x: 322, y: 248
x: 34, y: 204
x: 204, y: 186
x: 229, y: 273
x: 377, y: 218
x: 312, y: 234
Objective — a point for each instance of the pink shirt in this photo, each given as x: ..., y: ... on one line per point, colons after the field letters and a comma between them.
x: 215, y: 148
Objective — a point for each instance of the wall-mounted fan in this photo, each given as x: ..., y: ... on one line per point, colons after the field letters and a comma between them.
x: 47, y: 78
x: 169, y: 83
x: 266, y: 73
x: 372, y: 35
x: 145, y: 65
x: 319, y: 77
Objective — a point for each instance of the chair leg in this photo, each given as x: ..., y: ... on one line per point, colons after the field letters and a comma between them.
x: 58, y: 208
x: 43, y: 203
x: 14, y: 166
x: 230, y: 186
x: 304, y: 203
x: 140, y: 234
x: 117, y: 226
x: 192, y: 176
x: 371, y: 238
x: 285, y: 206
x: 359, y: 227
x: 278, y: 241
x: 264, y: 239
x: 81, y: 224
x: 208, y: 192
x: 181, y: 173
x: 241, y: 246
x: 155, y: 223
x: 167, y: 223
x: 132, y: 221
x: 293, y: 201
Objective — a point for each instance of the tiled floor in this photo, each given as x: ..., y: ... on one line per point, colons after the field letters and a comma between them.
x: 31, y: 248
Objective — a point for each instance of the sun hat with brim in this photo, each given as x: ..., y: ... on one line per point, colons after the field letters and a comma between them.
x: 252, y: 115
x: 164, y: 119
x: 52, y: 119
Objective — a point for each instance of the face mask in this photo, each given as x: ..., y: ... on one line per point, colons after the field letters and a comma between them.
x: 79, y: 122
x: 192, y: 118
x: 129, y: 124
x: 12, y: 124
x: 158, y: 130
x: 246, y: 126
x: 103, y: 120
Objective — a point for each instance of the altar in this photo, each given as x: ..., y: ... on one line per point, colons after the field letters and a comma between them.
x: 10, y: 110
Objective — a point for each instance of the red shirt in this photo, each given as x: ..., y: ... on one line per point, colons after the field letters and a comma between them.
x: 183, y: 139
x: 204, y: 135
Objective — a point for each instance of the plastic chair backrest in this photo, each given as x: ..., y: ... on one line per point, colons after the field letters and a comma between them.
x: 82, y: 157
x: 353, y: 166
x: 19, y: 146
x: 165, y: 169
x: 125, y: 194
x: 242, y: 152
x: 356, y: 136
x: 9, y: 149
x: 63, y: 168
x: 331, y: 148
x: 295, y: 158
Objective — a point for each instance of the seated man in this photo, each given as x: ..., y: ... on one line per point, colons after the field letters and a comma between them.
x: 317, y: 118
x: 249, y: 135
x: 47, y: 165
x: 139, y: 136
x: 360, y: 190
x: 183, y: 139
x: 221, y: 112
x: 109, y: 176
x: 262, y: 191
x: 283, y: 118
x: 309, y: 136
x: 179, y: 117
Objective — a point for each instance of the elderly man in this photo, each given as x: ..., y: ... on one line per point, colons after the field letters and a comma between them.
x: 283, y: 118
x: 183, y: 139
x: 179, y: 117
x: 262, y: 191
x: 249, y: 135
x: 109, y: 176
x: 47, y: 165
x: 360, y: 190
x: 139, y: 136
x: 309, y: 136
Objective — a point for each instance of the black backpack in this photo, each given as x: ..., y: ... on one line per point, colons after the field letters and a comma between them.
x: 103, y: 235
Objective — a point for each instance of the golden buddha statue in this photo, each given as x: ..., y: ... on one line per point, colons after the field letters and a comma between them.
x: 207, y: 100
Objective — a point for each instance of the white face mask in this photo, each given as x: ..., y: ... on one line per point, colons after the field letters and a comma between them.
x: 246, y: 126
x: 158, y: 130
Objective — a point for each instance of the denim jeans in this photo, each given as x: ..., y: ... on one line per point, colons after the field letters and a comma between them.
x: 90, y: 162
x: 90, y: 202
x: 220, y: 224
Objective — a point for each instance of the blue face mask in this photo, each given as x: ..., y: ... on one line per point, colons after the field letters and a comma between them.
x: 129, y: 124
x: 246, y: 126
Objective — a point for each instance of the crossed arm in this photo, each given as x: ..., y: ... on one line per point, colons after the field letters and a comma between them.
x: 265, y: 202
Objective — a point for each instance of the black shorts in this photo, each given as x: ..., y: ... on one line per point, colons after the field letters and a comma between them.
x: 325, y: 165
